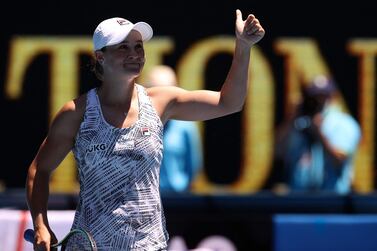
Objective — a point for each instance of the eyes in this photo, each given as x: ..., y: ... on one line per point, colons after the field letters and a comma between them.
x: 127, y: 47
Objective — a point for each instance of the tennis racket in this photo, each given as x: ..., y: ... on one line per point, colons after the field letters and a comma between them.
x: 76, y: 239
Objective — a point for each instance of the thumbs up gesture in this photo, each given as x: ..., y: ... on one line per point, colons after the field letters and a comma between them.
x: 249, y: 31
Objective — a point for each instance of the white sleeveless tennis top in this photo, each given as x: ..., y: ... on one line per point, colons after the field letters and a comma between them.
x: 119, y: 201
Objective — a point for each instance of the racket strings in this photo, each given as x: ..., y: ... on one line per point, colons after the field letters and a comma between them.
x: 79, y: 242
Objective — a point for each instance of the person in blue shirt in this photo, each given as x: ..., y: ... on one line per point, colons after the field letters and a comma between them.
x: 318, y: 143
x: 182, y: 145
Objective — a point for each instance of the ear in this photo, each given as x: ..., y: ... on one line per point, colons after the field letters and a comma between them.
x: 99, y: 56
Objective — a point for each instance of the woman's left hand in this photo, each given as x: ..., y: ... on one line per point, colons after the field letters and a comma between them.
x: 250, y: 30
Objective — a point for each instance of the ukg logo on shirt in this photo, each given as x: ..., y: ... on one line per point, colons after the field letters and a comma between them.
x: 96, y: 148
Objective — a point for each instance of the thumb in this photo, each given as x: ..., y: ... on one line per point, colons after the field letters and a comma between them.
x: 238, y: 15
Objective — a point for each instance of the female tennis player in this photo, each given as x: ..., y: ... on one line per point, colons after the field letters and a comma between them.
x: 115, y: 133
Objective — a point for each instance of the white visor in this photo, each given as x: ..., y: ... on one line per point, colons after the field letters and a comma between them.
x: 114, y: 30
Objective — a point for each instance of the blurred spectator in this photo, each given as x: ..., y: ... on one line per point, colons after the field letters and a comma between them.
x: 182, y: 147
x: 317, y: 143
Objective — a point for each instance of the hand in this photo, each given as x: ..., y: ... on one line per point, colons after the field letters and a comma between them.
x: 315, y: 128
x: 43, y: 239
x: 249, y: 31
x: 317, y: 120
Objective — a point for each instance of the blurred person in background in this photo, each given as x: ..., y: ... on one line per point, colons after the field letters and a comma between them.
x: 182, y: 154
x: 316, y: 145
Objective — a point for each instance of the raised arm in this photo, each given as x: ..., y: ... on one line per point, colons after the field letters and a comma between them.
x: 52, y: 151
x: 176, y: 103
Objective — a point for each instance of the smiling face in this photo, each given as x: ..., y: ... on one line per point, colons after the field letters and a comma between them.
x: 126, y: 57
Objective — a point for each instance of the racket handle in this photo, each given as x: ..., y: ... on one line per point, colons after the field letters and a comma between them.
x: 29, y: 235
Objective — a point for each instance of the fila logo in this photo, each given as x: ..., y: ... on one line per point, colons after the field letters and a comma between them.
x: 122, y: 21
x: 145, y: 131
x: 96, y: 148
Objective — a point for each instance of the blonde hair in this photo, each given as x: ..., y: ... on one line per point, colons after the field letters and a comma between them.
x: 161, y: 75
